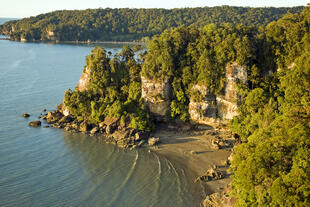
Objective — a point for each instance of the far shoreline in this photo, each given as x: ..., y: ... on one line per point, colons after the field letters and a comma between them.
x: 77, y: 42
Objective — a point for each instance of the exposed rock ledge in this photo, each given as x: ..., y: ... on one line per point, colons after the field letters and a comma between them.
x: 157, y: 97
x: 111, y: 128
x: 214, y: 109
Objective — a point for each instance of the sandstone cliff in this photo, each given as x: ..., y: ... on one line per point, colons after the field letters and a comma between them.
x: 157, y: 97
x: 207, y: 108
x: 50, y: 35
x: 204, y: 107
x: 229, y: 102
x: 82, y: 85
x: 84, y: 80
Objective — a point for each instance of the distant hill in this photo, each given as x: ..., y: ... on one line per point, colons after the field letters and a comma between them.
x: 132, y: 24
x: 3, y: 20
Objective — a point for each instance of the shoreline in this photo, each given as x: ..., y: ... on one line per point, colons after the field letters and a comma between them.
x: 194, y: 152
x: 78, y: 42
x: 201, y: 151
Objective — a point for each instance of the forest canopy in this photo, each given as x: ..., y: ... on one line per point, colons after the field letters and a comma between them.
x: 272, y: 165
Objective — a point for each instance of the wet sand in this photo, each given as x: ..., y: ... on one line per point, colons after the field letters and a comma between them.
x: 193, y: 151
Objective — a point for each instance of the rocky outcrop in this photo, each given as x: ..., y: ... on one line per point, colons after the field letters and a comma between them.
x: 84, y: 79
x: 113, y: 131
x: 153, y: 141
x: 211, y: 174
x: 82, y: 85
x: 50, y: 35
x: 229, y: 102
x: 23, y: 39
x: 208, y: 108
x: 63, y: 109
x: 157, y: 97
x: 220, y: 199
x: 202, y: 107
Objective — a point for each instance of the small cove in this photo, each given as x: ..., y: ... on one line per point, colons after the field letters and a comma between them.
x: 51, y: 167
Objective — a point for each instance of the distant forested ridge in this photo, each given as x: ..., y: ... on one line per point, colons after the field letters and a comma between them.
x: 132, y: 24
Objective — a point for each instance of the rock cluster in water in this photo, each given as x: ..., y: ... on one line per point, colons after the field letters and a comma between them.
x: 113, y: 131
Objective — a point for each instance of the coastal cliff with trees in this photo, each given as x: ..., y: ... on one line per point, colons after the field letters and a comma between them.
x: 257, y: 79
x: 131, y: 24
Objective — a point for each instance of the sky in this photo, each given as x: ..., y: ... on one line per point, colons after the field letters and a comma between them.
x: 26, y: 8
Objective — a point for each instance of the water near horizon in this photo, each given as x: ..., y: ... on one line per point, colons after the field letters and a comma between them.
x: 51, y: 167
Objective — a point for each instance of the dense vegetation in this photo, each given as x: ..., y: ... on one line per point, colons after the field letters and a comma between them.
x: 114, y: 91
x: 133, y: 24
x: 186, y: 56
x: 272, y: 164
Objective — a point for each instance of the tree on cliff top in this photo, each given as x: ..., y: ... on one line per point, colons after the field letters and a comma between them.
x: 114, y: 91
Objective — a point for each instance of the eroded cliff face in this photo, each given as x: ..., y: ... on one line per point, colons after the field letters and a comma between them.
x: 50, y: 35
x: 63, y: 109
x: 229, y: 102
x: 206, y: 109
x: 84, y: 80
x: 211, y: 109
x: 157, y: 97
x: 82, y: 85
x: 203, y: 109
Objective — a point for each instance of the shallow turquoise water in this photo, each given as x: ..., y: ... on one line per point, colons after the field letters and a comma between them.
x: 50, y: 167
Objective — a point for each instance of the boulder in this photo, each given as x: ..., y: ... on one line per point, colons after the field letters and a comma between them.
x: 111, y: 124
x: 25, y: 115
x: 101, y: 125
x: 35, y: 123
x: 75, y: 125
x: 215, y: 144
x: 211, y: 174
x: 153, y: 141
x: 126, y: 143
x: 63, y: 109
x: 57, y: 125
x: 110, y: 129
x: 84, y: 127
x: 213, y: 200
x: 53, y: 116
x: 220, y: 199
x: 94, y: 130
x: 140, y: 135
x: 139, y: 144
x: 66, y: 119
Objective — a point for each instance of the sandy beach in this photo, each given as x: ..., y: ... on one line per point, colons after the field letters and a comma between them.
x: 193, y: 151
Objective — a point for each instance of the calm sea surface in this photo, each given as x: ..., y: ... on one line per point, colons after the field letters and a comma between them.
x: 51, y: 167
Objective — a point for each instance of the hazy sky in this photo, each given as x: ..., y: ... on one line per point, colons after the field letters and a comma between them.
x: 26, y: 8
